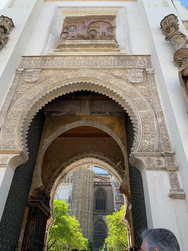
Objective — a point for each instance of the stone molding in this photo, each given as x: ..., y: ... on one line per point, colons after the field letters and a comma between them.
x: 160, y: 161
x: 98, y: 62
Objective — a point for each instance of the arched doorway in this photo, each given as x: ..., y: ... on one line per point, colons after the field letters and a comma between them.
x: 118, y: 158
x: 100, y: 233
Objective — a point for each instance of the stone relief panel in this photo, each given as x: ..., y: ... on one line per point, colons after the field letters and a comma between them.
x: 6, y: 26
x: 88, y: 32
x: 89, y: 27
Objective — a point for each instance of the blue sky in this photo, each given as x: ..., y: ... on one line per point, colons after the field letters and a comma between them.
x: 184, y: 3
x: 99, y: 170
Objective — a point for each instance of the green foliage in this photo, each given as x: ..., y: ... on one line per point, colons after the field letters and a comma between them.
x: 89, y: 245
x: 117, y: 231
x: 65, y: 230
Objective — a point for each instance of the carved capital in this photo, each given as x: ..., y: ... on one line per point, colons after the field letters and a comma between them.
x: 170, y: 28
x: 181, y: 57
x: 6, y: 26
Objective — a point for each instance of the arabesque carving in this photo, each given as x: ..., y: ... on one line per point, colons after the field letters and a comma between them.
x: 6, y: 26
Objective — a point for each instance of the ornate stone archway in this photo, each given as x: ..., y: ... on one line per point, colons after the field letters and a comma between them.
x: 35, y: 97
x: 37, y: 181
x: 129, y: 80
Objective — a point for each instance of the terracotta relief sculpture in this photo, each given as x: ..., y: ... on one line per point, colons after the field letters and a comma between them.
x: 89, y: 28
x: 6, y: 26
x: 179, y: 41
x: 78, y: 32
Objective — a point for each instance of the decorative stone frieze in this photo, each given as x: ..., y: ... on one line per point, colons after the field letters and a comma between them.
x: 6, y: 26
x: 94, y: 62
x: 170, y: 28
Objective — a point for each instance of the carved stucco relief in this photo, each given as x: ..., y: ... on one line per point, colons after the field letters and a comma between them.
x: 61, y: 82
x: 45, y: 78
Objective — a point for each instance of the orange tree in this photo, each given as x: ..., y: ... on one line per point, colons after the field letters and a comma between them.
x: 117, y: 231
x: 65, y: 230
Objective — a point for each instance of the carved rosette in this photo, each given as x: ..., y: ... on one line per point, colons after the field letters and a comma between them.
x: 6, y: 26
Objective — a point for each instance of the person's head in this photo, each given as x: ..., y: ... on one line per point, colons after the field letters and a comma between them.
x: 159, y: 239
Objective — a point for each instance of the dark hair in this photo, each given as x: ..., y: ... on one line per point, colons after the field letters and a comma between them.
x: 160, y: 238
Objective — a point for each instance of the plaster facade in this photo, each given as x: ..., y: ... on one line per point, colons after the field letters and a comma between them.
x: 140, y: 77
